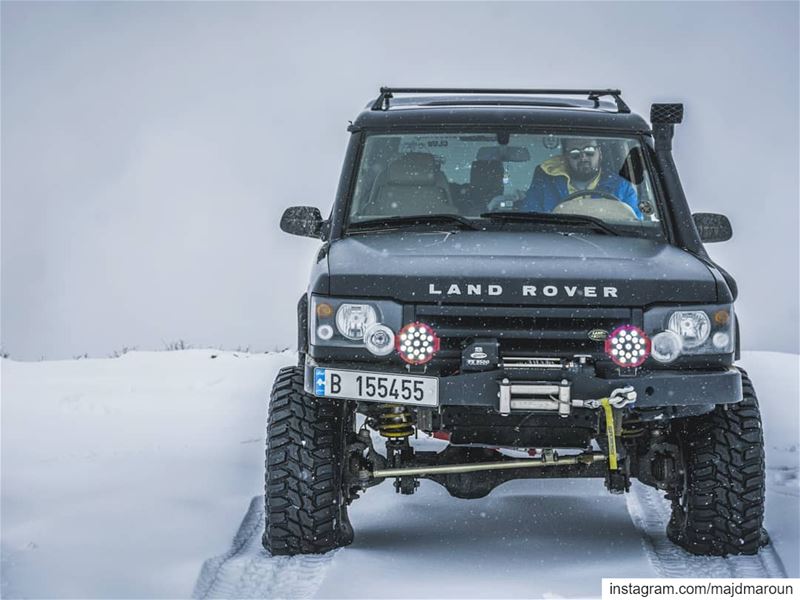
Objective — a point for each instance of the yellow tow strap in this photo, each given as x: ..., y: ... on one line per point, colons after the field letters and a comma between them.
x: 610, y: 434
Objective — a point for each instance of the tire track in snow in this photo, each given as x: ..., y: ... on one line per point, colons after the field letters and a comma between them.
x: 650, y: 513
x: 246, y: 570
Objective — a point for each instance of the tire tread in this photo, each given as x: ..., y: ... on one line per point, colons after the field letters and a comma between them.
x: 726, y: 481
x: 303, y: 471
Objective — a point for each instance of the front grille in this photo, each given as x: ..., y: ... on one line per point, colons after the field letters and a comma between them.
x: 535, y: 331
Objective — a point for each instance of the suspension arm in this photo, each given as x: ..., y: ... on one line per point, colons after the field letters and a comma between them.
x: 546, y: 461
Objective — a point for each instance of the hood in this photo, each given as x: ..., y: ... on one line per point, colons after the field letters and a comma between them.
x: 536, y: 268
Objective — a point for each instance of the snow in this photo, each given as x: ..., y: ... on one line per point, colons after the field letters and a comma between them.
x: 120, y: 477
x: 130, y: 477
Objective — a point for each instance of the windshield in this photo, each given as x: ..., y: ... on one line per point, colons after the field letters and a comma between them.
x: 485, y: 177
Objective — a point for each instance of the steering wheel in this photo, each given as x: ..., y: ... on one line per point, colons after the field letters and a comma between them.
x: 581, y: 193
x: 606, y: 206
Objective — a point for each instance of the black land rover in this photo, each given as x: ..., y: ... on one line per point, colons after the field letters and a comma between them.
x: 514, y: 270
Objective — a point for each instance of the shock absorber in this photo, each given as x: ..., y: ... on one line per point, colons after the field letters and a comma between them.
x: 396, y: 424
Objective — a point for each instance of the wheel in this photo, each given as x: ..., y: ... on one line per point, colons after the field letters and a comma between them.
x: 720, y: 509
x: 306, y: 438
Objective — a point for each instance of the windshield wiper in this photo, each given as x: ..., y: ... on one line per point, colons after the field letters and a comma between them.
x: 391, y: 222
x: 556, y: 219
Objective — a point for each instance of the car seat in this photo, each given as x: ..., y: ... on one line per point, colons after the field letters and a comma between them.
x: 412, y: 184
x: 485, y: 183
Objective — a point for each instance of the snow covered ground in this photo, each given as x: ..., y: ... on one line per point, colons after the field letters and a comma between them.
x: 141, y: 476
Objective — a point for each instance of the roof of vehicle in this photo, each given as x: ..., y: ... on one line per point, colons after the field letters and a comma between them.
x: 552, y: 109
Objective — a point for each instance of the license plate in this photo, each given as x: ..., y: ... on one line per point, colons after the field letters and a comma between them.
x: 376, y: 387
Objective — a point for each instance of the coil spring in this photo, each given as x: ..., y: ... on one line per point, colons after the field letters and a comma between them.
x: 395, y: 422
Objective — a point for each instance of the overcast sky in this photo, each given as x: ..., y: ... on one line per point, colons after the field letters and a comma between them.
x: 148, y: 149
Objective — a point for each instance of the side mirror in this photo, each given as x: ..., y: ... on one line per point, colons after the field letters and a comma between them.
x: 302, y: 220
x: 713, y: 227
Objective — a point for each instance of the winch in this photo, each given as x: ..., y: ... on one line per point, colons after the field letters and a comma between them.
x: 556, y: 397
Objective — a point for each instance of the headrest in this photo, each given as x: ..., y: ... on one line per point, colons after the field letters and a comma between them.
x: 414, y: 168
x: 483, y: 171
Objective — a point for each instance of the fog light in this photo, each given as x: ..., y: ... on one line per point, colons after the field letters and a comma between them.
x: 628, y: 346
x: 379, y: 339
x: 416, y: 343
x: 666, y: 346
x: 324, y: 332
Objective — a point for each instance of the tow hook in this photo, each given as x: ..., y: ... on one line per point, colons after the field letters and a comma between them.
x: 619, y: 398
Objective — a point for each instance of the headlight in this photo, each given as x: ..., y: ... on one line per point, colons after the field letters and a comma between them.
x: 353, y: 320
x: 353, y: 323
x: 690, y: 330
x: 692, y: 325
x: 666, y: 346
x: 379, y: 340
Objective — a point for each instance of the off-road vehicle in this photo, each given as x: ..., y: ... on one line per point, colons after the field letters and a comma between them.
x: 516, y: 272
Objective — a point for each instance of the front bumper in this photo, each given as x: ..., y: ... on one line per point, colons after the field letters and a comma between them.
x: 701, y: 389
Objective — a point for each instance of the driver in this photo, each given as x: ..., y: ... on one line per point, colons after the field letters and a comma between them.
x: 577, y: 168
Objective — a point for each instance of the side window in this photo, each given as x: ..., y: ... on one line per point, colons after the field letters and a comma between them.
x: 633, y: 169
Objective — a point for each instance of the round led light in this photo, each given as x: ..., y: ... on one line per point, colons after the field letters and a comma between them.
x: 353, y: 320
x: 628, y: 346
x: 417, y: 343
x: 666, y: 346
x: 324, y: 332
x: 379, y: 340
x: 692, y: 325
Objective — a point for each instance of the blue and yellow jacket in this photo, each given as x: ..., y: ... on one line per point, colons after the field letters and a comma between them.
x: 551, y: 184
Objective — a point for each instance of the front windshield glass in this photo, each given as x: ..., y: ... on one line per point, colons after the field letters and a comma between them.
x: 468, y: 175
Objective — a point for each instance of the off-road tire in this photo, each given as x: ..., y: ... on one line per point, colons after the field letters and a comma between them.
x: 306, y: 437
x: 721, y: 510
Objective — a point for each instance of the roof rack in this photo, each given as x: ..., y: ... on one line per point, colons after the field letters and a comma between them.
x: 386, y: 93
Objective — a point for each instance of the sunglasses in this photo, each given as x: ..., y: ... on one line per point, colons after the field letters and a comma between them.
x: 589, y: 151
